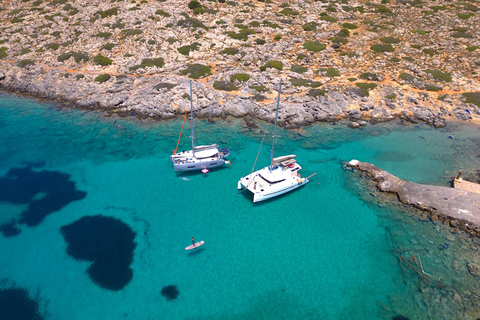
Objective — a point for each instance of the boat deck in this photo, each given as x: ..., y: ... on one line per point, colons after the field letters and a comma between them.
x: 466, y: 185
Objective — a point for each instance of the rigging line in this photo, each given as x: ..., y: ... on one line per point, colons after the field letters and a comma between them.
x: 258, y: 153
x: 184, y: 117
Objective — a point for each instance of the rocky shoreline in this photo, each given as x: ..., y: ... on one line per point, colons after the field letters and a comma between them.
x: 137, y: 59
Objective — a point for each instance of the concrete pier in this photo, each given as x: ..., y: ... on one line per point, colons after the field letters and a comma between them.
x: 454, y: 206
x: 466, y: 185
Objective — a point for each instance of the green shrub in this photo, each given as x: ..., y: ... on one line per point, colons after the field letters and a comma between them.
x: 382, y: 47
x: 299, y: 69
x: 301, y: 56
x: 277, y: 37
x: 352, y: 79
x: 229, y: 51
x: 105, y: 35
x: 196, y: 71
x: 24, y: 51
x: 395, y: 60
x: 390, y: 40
x: 465, y: 15
x: 341, y: 40
x: 254, y: 24
x: 431, y: 87
x: 305, y: 83
x: 107, y: 13
x: 416, y: 46
x: 472, y: 48
x: 263, y: 68
x: 350, y: 26
x: 260, y: 88
x: 162, y: 13
x: 430, y: 52
x: 275, y: 64
x: 406, y: 76
x: 64, y: 56
x: 199, y: 10
x: 260, y: 41
x: 102, y: 78
x: 108, y: 46
x: 390, y: 96
x: 383, y: 10
x: 16, y: 20
x: 328, y: 18
x: 3, y: 53
x: 316, y: 92
x: 472, y: 97
x: 101, y: 60
x: 118, y: 25
x: 241, y: 35
x: 185, y: 50
x: 194, y: 4
x: 314, y: 46
x: 289, y: 12
x: 241, y: 77
x: 369, y: 76
x: 224, y: 85
x: 25, y: 63
x: 461, y: 35
x: 79, y: 76
x: 79, y: 56
x: 53, y: 46
x: 156, y: 62
x: 329, y: 72
x: 191, y: 23
x: 421, y: 32
x: 343, y: 33
x: 310, y: 26
x: 366, y: 87
x: 259, y: 97
x: 131, y: 32
x: 163, y: 85
x: 439, y: 75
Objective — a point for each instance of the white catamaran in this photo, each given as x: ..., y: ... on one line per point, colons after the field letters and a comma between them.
x: 200, y: 157
x: 280, y: 177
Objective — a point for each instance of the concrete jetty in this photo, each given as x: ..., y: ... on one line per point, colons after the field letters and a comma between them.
x: 455, y: 207
x: 459, y: 183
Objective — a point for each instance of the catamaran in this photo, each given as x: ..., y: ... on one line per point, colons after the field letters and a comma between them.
x: 202, y: 157
x: 281, y: 176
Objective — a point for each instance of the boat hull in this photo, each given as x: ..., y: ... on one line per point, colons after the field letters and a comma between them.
x: 196, y: 165
x: 260, y: 183
x: 202, y: 157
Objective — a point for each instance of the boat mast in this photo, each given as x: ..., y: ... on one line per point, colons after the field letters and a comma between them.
x: 191, y: 114
x: 275, y: 126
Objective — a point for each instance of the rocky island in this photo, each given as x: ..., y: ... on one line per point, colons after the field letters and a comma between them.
x: 365, y: 61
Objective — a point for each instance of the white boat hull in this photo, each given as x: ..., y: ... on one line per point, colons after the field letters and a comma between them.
x: 211, y: 157
x: 265, y: 184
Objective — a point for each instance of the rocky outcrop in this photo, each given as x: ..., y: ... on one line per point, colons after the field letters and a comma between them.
x: 457, y: 208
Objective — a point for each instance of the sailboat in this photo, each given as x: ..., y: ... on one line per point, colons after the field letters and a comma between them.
x: 202, y: 157
x: 281, y: 176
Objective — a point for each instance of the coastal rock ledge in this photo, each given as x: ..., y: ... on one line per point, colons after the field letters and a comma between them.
x: 457, y: 208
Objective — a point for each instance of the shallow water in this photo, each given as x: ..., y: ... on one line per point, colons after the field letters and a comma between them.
x: 324, y: 251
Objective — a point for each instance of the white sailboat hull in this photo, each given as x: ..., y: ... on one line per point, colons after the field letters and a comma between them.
x: 199, y: 158
x: 268, y: 183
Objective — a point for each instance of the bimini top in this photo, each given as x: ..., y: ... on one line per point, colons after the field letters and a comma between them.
x: 284, y: 158
x: 202, y: 152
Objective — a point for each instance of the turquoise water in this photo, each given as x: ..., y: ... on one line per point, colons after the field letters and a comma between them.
x: 321, y: 252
